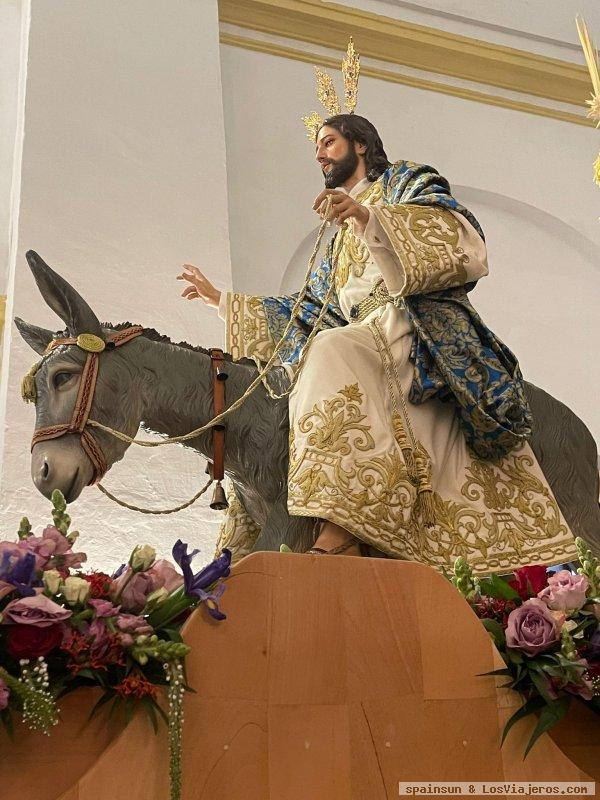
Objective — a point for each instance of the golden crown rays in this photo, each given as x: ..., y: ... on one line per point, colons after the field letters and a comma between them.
x: 327, y: 94
x: 591, y: 59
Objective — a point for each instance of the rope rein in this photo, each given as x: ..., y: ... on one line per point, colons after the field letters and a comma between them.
x: 93, y: 345
x: 262, y: 375
x: 174, y: 510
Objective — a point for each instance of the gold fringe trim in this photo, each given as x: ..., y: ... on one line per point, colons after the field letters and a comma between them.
x: 424, y: 502
x: 405, y: 446
x: 28, y: 390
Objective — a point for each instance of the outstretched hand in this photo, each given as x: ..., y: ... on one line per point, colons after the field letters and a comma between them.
x: 343, y: 207
x: 200, y: 287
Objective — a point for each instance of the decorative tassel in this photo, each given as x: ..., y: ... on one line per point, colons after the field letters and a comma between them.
x: 405, y: 446
x: 424, y: 502
x: 28, y: 390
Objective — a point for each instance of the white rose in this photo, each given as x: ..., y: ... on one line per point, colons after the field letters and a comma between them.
x: 142, y: 558
x: 75, y: 590
x: 52, y: 580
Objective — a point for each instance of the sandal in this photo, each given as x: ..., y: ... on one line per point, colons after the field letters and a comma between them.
x: 319, y: 551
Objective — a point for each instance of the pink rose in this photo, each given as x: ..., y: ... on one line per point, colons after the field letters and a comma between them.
x: 142, y: 584
x: 165, y: 575
x: 129, y: 627
x: 565, y: 591
x: 104, y: 608
x: 4, y: 695
x: 38, y: 610
x: 532, y: 628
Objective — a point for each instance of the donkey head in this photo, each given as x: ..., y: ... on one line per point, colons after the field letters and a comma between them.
x: 62, y: 463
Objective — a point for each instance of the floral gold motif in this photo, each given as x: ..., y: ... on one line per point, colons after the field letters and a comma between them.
x: 426, y: 240
x: 508, y: 516
x: 247, y: 328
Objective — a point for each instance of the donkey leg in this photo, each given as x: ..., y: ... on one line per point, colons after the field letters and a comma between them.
x: 280, y: 528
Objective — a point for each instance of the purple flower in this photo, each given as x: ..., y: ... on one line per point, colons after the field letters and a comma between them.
x: 565, y: 591
x: 104, y: 608
x: 532, y: 628
x: 196, y: 585
x: 129, y: 627
x: 38, y: 610
x: 136, y: 589
x: 17, y: 570
x: 52, y: 548
x: 4, y: 695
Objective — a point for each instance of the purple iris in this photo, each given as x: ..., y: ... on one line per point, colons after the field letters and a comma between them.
x: 21, y: 573
x: 197, y: 585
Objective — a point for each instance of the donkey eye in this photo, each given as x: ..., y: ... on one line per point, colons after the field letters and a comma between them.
x: 62, y: 378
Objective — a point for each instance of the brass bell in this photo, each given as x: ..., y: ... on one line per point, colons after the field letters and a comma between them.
x: 219, y: 501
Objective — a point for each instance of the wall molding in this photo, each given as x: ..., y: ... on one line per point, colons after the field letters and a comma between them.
x: 406, y: 44
x: 260, y: 46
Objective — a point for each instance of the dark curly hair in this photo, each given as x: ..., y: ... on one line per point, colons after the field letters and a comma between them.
x: 359, y: 129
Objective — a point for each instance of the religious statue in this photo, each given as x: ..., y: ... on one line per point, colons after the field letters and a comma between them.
x: 408, y: 418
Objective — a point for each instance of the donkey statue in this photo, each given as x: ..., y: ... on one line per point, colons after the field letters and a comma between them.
x: 166, y: 388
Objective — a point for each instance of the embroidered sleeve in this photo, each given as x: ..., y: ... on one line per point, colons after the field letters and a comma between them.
x: 434, y: 248
x: 247, y: 330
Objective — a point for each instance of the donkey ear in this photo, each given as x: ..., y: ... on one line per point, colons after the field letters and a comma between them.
x: 37, y: 338
x: 63, y: 299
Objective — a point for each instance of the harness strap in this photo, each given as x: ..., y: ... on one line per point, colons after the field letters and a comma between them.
x: 218, y: 382
x: 92, y: 345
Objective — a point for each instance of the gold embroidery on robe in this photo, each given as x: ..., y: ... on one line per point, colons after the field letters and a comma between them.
x: 239, y: 531
x: 512, y: 518
x: 247, y: 332
x: 354, y: 253
x: 426, y: 240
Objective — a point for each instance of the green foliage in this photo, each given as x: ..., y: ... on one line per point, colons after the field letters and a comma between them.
x: 496, y: 630
x: 589, y: 567
x: 61, y: 519
x: 495, y: 587
x: 24, y: 528
x: 462, y: 578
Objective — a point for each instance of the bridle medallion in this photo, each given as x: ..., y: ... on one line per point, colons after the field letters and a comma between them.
x: 90, y: 343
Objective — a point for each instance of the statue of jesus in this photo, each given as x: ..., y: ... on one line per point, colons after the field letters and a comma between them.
x: 409, y: 425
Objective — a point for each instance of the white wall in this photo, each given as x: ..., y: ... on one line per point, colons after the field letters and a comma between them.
x: 527, y: 177
x: 123, y: 180
x: 10, y: 29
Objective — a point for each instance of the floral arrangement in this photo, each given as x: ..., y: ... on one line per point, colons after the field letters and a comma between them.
x: 61, y: 628
x: 546, y: 626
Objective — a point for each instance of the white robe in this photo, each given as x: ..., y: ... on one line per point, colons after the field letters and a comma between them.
x: 346, y: 464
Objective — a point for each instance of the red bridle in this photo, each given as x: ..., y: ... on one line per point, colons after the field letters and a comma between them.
x: 92, y: 346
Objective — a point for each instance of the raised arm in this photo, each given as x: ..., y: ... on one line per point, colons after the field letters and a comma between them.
x: 255, y: 324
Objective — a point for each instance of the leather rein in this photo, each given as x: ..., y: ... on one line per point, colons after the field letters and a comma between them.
x: 93, y: 345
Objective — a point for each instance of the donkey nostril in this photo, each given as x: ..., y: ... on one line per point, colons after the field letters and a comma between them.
x: 45, y: 470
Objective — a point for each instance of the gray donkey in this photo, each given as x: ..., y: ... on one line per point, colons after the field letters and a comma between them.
x: 166, y: 388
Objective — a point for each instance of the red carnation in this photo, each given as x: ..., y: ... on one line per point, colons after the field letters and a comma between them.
x: 100, y: 584
x: 31, y: 641
x: 136, y: 685
x: 528, y: 581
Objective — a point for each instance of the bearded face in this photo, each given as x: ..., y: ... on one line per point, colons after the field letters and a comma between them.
x: 337, y: 171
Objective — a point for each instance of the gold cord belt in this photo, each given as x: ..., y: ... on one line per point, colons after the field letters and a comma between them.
x: 377, y: 297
